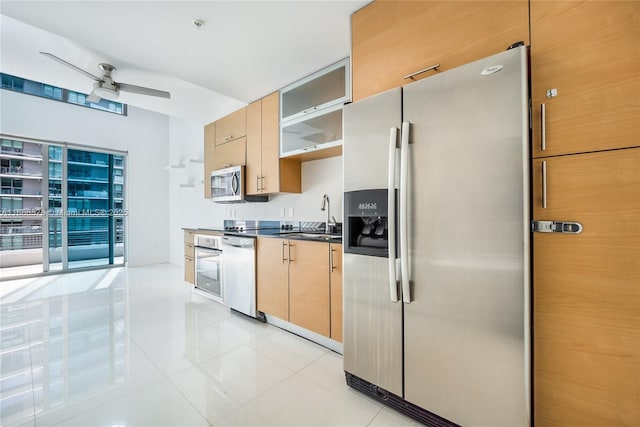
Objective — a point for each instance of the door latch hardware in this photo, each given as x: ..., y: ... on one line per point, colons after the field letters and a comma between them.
x: 568, y: 227
x: 552, y: 93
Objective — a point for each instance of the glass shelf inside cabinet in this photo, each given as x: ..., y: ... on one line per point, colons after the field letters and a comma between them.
x: 312, y: 132
x: 325, y: 88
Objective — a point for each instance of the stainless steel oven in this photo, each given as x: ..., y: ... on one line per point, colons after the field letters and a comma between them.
x: 209, y: 267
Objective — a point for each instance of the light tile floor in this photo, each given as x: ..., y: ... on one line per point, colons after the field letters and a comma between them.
x: 134, y: 346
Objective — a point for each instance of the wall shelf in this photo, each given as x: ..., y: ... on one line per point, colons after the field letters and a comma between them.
x: 179, y: 166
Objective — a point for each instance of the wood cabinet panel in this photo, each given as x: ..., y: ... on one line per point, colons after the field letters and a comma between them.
x: 272, y: 277
x: 230, y: 154
x: 189, y: 270
x: 392, y: 39
x: 253, y: 172
x: 589, y: 52
x: 231, y: 127
x: 209, y: 156
x: 587, y: 291
x: 270, y: 176
x: 266, y: 172
x: 335, y: 264
x: 309, y: 286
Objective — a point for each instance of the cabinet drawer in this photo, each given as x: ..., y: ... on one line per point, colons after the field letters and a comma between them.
x: 189, y: 270
x: 231, y: 127
x: 188, y: 237
x: 189, y: 250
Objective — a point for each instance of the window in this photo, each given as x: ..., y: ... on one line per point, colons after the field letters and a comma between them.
x: 11, y: 146
x: 83, y: 200
x: 43, y: 90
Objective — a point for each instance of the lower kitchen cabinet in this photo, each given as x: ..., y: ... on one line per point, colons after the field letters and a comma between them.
x: 189, y: 257
x: 586, y: 361
x: 300, y: 281
x: 272, y: 273
x: 335, y: 265
x: 309, y: 292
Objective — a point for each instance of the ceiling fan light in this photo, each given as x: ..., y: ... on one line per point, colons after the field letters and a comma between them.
x: 104, y: 92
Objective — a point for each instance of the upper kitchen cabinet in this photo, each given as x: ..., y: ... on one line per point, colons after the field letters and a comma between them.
x: 230, y: 154
x: 392, y: 40
x: 209, y: 155
x: 231, y: 127
x: 266, y: 172
x: 311, y: 113
x: 585, y: 76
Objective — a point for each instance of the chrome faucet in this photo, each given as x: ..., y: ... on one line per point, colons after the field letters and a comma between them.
x: 326, y: 205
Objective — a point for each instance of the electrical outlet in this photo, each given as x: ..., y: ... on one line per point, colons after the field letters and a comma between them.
x: 290, y: 212
x: 230, y: 213
x: 281, y: 212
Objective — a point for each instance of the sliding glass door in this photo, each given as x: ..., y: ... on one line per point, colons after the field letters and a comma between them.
x: 75, y: 195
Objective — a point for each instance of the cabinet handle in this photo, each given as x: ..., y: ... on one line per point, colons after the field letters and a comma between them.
x: 290, y: 253
x: 332, y: 265
x: 543, y: 127
x: 257, y: 183
x: 544, y: 184
x: 283, y: 258
x: 424, y: 70
x: 226, y: 138
x: 262, y: 183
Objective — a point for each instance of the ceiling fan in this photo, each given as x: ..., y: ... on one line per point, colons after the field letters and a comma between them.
x: 105, y: 86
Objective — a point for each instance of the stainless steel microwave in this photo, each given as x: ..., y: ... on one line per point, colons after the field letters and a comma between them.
x: 228, y: 186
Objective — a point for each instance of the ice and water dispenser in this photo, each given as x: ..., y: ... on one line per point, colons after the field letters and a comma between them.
x: 366, y: 222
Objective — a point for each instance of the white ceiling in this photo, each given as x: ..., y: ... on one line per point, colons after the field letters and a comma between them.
x: 247, y: 49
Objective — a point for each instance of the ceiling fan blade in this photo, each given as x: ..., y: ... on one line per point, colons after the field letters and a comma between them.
x: 143, y: 90
x: 93, y: 97
x: 70, y: 65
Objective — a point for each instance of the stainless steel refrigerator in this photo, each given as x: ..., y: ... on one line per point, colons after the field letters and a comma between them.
x: 436, y: 245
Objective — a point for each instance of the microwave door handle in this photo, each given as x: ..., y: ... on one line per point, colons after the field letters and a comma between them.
x: 235, y: 184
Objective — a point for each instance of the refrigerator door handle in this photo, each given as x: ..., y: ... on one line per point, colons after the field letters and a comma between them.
x: 404, y: 215
x: 391, y: 203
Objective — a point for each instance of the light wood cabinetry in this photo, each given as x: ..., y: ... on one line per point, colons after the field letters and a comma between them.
x: 309, y: 291
x: 253, y: 171
x: 588, y: 52
x: 209, y: 156
x: 189, y: 257
x: 335, y: 265
x: 272, y: 262
x: 266, y: 172
x: 392, y: 39
x: 587, y: 291
x: 230, y: 154
x: 296, y: 283
x: 231, y: 127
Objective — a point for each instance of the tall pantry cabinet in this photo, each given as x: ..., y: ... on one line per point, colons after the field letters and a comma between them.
x: 585, y: 90
x: 585, y: 78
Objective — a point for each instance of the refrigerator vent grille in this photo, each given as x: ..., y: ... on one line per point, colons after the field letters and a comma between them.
x: 396, y: 402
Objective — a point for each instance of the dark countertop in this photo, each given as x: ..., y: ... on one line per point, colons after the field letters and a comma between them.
x: 311, y: 235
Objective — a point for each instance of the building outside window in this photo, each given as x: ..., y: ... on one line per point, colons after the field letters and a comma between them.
x: 75, y: 194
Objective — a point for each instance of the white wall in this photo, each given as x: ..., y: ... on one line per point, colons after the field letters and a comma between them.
x: 144, y: 134
x: 188, y: 207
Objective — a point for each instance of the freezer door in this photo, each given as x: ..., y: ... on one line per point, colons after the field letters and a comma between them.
x: 372, y: 323
x: 365, y: 147
x: 466, y: 328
